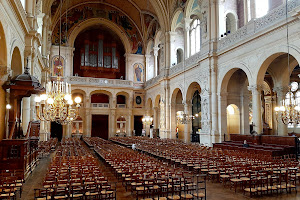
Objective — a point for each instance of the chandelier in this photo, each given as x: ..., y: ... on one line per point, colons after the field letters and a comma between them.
x: 147, y: 120
x: 57, y: 104
x: 183, y: 118
x: 289, y: 110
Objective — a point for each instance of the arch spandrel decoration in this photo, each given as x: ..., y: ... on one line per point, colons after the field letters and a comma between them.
x: 84, y: 12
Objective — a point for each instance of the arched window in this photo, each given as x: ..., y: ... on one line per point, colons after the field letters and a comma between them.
x: 261, y: 8
x: 179, y: 55
x: 230, y: 23
x: 195, y: 36
x: 23, y: 3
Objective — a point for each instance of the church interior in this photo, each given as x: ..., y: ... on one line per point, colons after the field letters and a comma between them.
x: 149, y: 99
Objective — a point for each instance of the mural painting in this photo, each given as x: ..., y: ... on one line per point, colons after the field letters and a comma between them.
x: 56, y: 62
x: 84, y: 12
x: 138, y: 69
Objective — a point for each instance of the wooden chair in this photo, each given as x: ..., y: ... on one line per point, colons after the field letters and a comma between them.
x: 42, y: 194
x: 251, y: 189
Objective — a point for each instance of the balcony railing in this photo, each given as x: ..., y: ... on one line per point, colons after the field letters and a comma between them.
x: 76, y: 80
x: 99, y: 105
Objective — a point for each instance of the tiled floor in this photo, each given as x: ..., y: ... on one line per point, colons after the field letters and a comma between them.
x: 215, y: 191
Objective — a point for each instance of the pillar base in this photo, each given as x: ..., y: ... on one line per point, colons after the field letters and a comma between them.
x: 208, y: 139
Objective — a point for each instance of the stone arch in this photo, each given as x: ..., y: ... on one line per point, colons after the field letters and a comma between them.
x: 231, y: 20
x: 179, y: 55
x: 174, y: 94
x: 149, y: 47
x: 192, y: 88
x: 16, y: 62
x: 189, y: 8
x: 177, y: 19
x: 265, y: 61
x: 94, y: 21
x: 226, y: 75
x: 157, y: 100
x: 3, y: 68
x: 108, y: 93
x: 3, y: 52
x: 125, y: 94
x: 149, y: 103
x: 157, y: 38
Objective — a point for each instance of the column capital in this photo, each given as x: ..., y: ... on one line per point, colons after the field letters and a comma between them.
x: 281, y: 90
x: 147, y: 56
x: 187, y: 22
x: 255, y: 88
x: 155, y: 50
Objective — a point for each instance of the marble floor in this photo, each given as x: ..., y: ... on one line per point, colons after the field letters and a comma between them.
x: 215, y: 191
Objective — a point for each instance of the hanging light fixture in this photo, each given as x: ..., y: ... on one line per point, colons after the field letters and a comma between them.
x: 57, y: 104
x: 147, y: 120
x: 289, y: 110
x: 183, y: 118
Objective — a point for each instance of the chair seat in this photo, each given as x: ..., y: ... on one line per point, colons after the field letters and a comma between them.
x: 235, y: 180
x: 272, y: 187
x: 61, y: 197
x: 174, y: 197
x: 250, y: 190
x: 281, y: 186
x: 148, y: 199
x: 224, y: 176
x: 91, y: 193
x: 160, y: 198
x: 76, y: 195
x: 291, y: 186
x: 7, y: 194
x: 106, y: 192
x: 199, y: 195
x: 261, y: 188
x: 187, y: 196
x: 43, y: 198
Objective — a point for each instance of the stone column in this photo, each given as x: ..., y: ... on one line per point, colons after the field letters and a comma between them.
x: 281, y: 91
x: 129, y: 123
x: 173, y: 119
x: 112, y: 123
x: 222, y: 115
x: 25, y: 114
x: 214, y: 106
x: 256, y: 107
x: 244, y: 115
x: 155, y: 53
x: 188, y: 126
x: 88, y: 118
x: 148, y: 74
x: 252, y: 9
x: 155, y: 118
x: 187, y: 24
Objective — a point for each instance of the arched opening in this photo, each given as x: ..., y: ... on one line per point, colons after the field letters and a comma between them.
x: 121, y: 101
x: 196, y: 112
x: 99, y: 54
x: 179, y: 55
x: 121, y: 126
x: 234, y: 91
x: 179, y: 107
x: 195, y: 36
x: 16, y: 62
x: 231, y: 23
x: 276, y: 76
x: 233, y: 119
x: 100, y: 100
x: 3, y: 64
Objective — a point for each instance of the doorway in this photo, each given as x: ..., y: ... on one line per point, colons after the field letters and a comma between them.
x: 138, y: 125
x: 56, y: 131
x: 100, y: 126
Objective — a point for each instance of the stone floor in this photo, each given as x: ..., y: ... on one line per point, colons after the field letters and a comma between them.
x: 215, y: 191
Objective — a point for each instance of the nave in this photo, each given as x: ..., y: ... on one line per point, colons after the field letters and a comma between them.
x: 117, y: 167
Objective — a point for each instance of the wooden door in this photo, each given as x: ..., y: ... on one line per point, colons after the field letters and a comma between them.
x: 100, y: 126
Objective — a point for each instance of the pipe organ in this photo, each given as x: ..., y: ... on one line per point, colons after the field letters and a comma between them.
x: 100, y: 54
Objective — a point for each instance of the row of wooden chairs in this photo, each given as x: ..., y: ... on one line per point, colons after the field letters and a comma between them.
x: 74, y: 173
x: 147, y: 177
